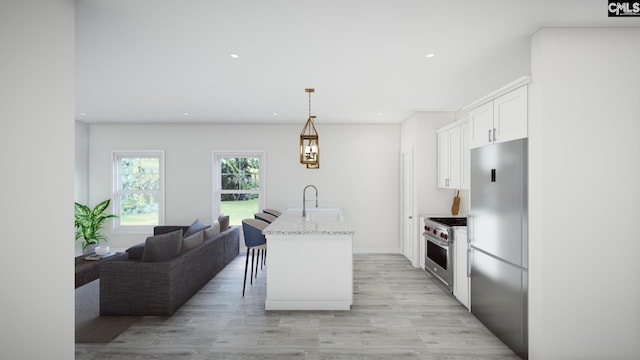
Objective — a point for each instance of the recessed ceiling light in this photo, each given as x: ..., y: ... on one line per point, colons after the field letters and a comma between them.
x: 430, y: 55
x: 83, y: 114
x: 186, y: 114
x: 379, y: 114
x: 275, y: 114
x: 235, y: 56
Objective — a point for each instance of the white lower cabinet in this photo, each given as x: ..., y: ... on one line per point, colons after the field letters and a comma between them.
x: 423, y: 251
x: 461, y: 284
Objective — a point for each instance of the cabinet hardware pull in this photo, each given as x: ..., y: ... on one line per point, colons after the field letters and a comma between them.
x: 468, y: 262
x: 494, y: 134
x: 489, y: 135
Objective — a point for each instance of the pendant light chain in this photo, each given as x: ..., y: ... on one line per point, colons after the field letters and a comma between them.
x: 311, y: 118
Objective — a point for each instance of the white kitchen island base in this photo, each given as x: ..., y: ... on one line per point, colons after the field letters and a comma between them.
x: 310, y: 262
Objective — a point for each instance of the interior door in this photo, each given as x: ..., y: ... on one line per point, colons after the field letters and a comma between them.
x: 408, y: 233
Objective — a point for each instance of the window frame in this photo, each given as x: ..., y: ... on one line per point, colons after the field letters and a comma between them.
x: 216, y: 183
x: 116, y: 155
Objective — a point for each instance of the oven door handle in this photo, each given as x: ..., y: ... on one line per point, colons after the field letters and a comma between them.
x: 437, y: 241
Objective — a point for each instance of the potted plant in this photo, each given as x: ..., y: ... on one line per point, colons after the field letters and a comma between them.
x: 88, y: 224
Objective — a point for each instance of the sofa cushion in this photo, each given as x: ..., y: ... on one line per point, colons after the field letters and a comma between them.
x: 135, y: 252
x: 212, y: 231
x: 192, y: 241
x: 163, y: 247
x: 224, y: 222
x: 194, y: 228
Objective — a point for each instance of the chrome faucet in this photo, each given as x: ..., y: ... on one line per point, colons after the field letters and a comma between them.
x: 304, y: 199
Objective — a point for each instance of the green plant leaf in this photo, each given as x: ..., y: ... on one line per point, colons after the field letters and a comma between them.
x: 88, y: 223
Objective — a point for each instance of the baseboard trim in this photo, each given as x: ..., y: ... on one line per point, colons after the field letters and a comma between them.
x: 377, y: 251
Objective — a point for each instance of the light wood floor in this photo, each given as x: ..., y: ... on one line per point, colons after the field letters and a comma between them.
x: 398, y: 313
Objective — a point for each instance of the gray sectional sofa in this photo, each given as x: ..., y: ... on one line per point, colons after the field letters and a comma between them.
x: 156, y: 284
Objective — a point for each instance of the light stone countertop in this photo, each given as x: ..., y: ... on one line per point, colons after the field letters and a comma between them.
x: 319, y: 221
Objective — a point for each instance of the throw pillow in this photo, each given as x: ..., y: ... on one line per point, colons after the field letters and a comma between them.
x: 135, y: 252
x: 224, y: 222
x: 212, y: 231
x: 194, y: 228
x: 192, y: 241
x: 163, y: 247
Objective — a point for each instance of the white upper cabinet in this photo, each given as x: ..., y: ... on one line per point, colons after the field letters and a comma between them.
x: 465, y: 157
x: 510, y: 115
x: 481, y: 125
x: 500, y: 116
x: 452, y: 142
x: 443, y: 159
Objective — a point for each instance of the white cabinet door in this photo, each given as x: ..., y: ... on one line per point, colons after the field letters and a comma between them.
x: 422, y: 252
x: 453, y: 149
x: 510, y: 115
x: 481, y: 125
x: 443, y: 159
x: 460, y: 279
x: 501, y: 119
x: 465, y: 167
x: 455, y: 158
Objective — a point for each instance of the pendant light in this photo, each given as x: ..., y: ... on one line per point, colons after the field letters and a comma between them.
x: 309, y: 141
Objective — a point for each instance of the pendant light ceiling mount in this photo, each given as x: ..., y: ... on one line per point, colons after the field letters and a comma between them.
x: 309, y: 140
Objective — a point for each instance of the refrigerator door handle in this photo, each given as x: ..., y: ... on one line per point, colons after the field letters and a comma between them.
x: 468, y: 262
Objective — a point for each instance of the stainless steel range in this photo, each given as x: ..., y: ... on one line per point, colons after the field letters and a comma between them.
x: 438, y: 235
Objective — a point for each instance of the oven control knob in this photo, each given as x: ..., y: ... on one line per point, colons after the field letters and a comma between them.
x: 445, y: 236
x: 434, y: 231
x: 427, y: 228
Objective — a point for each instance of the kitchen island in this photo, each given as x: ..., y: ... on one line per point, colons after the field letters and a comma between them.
x: 310, y: 261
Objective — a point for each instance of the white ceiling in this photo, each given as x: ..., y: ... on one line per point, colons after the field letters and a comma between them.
x: 152, y: 61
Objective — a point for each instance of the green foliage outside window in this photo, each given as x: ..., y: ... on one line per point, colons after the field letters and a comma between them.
x: 139, y: 174
x: 240, y: 174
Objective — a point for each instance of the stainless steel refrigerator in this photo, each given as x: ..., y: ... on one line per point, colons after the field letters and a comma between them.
x: 498, y: 240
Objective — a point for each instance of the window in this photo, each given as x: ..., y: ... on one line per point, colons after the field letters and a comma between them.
x: 238, y: 184
x: 138, y: 197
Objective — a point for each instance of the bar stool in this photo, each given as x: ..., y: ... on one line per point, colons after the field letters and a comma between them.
x: 254, y: 240
x: 265, y: 217
x: 273, y: 212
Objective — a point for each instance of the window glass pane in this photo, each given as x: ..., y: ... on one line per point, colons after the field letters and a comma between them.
x: 239, y: 206
x: 140, y: 173
x: 230, y: 182
x: 139, y: 209
x: 250, y: 168
x: 240, y: 173
x: 239, y: 176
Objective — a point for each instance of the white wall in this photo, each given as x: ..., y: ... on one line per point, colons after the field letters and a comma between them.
x: 36, y: 152
x: 81, y: 194
x: 359, y: 171
x: 81, y: 162
x: 584, y: 292
x: 418, y: 133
